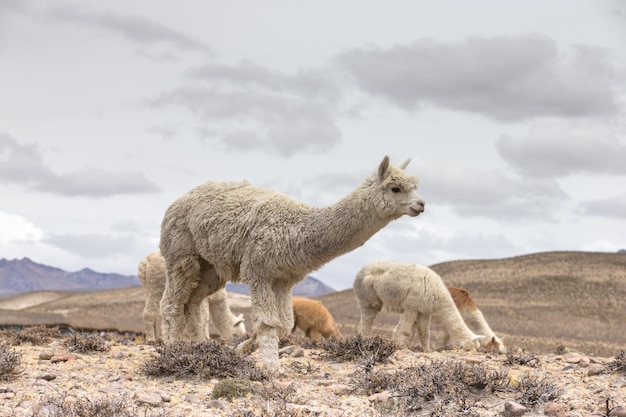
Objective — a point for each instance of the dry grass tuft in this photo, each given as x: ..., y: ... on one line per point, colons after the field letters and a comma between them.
x: 10, y: 362
x: 618, y: 364
x: 210, y: 359
x: 86, y: 343
x: 35, y: 335
x: 371, y: 349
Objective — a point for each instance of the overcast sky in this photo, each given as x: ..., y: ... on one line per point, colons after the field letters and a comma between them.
x: 514, y: 115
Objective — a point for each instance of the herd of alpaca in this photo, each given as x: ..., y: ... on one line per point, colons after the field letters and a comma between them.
x: 225, y: 231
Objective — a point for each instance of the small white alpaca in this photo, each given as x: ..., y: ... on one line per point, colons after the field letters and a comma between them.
x: 417, y: 293
x: 473, y: 317
x: 313, y: 318
x: 221, y: 232
x: 151, y: 272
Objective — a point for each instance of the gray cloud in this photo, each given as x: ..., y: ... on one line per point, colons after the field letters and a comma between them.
x: 92, y: 245
x: 250, y: 107
x: 23, y: 164
x: 560, y: 150
x: 137, y: 29
x: 614, y: 207
x: 506, y: 78
x: 491, y: 194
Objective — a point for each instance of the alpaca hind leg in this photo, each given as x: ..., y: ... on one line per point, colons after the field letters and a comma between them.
x: 403, y: 332
x: 367, y: 321
x: 196, y: 309
x: 179, y: 283
x: 150, y: 318
x: 423, y: 328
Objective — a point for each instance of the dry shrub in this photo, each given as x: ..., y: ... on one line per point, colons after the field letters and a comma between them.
x: 35, y: 335
x: 535, y: 390
x: 526, y: 359
x: 209, y: 359
x: 86, y: 343
x: 10, y: 362
x: 372, y: 349
x: 618, y: 364
x: 105, y: 406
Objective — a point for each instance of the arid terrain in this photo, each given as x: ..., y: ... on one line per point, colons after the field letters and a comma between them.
x: 539, y: 302
x: 567, y: 309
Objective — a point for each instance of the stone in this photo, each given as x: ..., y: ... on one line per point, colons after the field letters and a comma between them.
x: 513, y: 409
x: 556, y: 410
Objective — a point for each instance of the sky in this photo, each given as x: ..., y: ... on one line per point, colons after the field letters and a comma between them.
x: 513, y: 115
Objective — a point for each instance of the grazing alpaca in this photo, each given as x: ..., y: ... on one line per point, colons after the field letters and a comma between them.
x: 473, y: 317
x: 417, y: 293
x: 221, y: 232
x: 313, y: 318
x: 151, y: 272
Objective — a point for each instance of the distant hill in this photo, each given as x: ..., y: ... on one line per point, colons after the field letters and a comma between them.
x: 540, y: 302
x: 309, y: 287
x: 19, y: 276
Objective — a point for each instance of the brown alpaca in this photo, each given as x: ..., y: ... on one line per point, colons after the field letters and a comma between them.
x: 473, y: 317
x: 313, y: 318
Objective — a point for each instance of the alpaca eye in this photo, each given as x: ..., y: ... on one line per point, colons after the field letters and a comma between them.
x: 395, y: 189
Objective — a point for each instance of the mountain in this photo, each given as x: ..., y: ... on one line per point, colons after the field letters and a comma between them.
x: 309, y: 287
x: 19, y: 276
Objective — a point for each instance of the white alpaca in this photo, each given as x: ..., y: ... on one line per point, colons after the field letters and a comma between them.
x: 473, y: 317
x: 417, y: 293
x: 313, y: 318
x: 221, y: 232
x: 151, y: 272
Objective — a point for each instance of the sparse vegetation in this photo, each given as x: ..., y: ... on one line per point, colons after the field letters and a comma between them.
x: 10, y: 362
x: 62, y: 406
x: 210, y: 359
x: 372, y: 349
x: 526, y: 359
x: 618, y: 364
x: 537, y: 390
x: 35, y: 335
x: 86, y: 343
x: 232, y: 388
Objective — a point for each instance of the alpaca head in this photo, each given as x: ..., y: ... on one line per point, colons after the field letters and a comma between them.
x: 397, y: 191
x: 493, y: 344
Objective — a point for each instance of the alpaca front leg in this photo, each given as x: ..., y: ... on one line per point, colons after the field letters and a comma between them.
x: 284, y: 306
x: 266, y: 322
x: 150, y: 318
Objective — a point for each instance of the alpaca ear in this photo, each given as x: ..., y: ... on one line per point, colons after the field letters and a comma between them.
x: 383, y: 168
x: 404, y: 164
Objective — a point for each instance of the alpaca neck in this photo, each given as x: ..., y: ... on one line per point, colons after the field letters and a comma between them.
x: 452, y: 321
x: 476, y: 321
x: 342, y: 227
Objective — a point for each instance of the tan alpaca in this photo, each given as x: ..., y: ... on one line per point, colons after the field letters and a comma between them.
x: 151, y: 273
x: 313, y: 318
x: 473, y: 317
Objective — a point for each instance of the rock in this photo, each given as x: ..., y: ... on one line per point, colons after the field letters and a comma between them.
x: 619, y: 411
x: 151, y: 399
x: 47, y: 377
x: 513, y: 409
x: 556, y: 410
x: 46, y: 355
x: 595, y: 369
